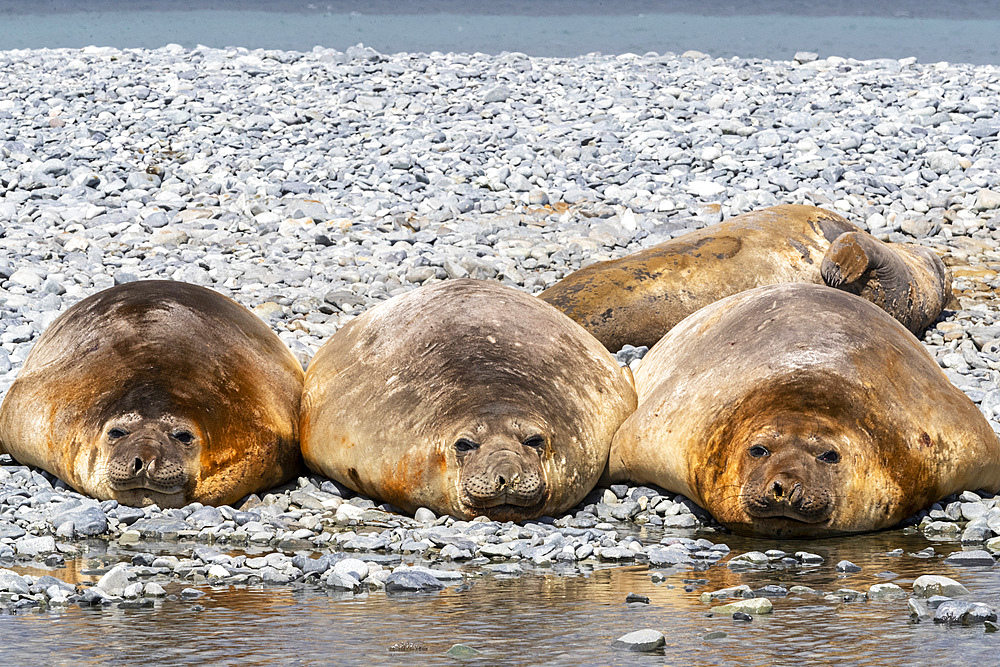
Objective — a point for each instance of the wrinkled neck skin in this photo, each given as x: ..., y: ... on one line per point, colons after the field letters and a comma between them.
x: 502, y: 478
x: 789, y: 492
x: 143, y: 460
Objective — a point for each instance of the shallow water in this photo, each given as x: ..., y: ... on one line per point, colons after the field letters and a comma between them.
x: 545, y: 616
x: 733, y: 30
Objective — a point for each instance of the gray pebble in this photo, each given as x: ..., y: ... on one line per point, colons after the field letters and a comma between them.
x: 640, y: 640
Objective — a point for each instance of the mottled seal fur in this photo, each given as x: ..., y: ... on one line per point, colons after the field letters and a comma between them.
x: 638, y: 298
x: 157, y: 392
x: 465, y: 397
x: 799, y: 410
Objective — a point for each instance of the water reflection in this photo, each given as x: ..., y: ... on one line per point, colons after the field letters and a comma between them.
x: 535, y: 618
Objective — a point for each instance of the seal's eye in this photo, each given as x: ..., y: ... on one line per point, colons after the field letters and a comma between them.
x: 184, y: 437
x: 465, y: 445
x: 535, y: 442
x: 759, y: 451
x: 116, y: 433
x: 829, y: 457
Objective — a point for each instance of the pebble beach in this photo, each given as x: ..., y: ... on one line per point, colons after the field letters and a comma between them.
x: 310, y: 186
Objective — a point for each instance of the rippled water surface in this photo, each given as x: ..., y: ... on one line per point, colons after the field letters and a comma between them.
x: 545, y: 616
x: 774, y: 29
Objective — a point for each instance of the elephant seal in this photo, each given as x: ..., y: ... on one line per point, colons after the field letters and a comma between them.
x: 466, y: 397
x: 157, y: 392
x: 638, y: 298
x: 799, y: 410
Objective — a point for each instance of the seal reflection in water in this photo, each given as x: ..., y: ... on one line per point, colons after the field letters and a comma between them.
x: 638, y: 298
x: 802, y: 411
x: 465, y: 397
x: 157, y: 392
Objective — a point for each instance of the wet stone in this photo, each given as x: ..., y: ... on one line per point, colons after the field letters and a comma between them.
x: 974, y: 558
x: 13, y: 583
x: 114, y: 581
x: 918, y: 609
x: 751, y: 606
x: 160, y: 528
x: 665, y: 557
x: 935, y: 601
x: 461, y: 651
x: 886, y: 591
x: 847, y: 566
x: 927, y: 585
x: 964, y: 613
x: 412, y: 581
x: 10, y: 531
x: 680, y: 521
x: 741, y: 591
x: 771, y: 591
x: 86, y: 521
x: 341, y: 581
x: 35, y: 546
x: 807, y: 558
x: 632, y: 597
x: 749, y: 559
x: 153, y: 589
x: 847, y: 595
x: 406, y: 647
x: 640, y: 640
x: 942, y: 528
x: 205, y: 517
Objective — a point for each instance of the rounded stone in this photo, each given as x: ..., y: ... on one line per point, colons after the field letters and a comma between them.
x: 640, y: 640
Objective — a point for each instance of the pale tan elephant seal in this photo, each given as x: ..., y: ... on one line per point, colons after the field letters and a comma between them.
x: 638, y: 298
x: 157, y: 392
x: 465, y: 397
x: 799, y: 410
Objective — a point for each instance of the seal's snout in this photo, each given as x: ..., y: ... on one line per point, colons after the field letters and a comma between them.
x: 784, y: 494
x: 508, y: 482
x: 502, y: 478
x: 787, y: 490
x: 145, y: 462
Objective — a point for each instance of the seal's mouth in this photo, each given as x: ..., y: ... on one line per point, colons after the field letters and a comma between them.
x: 505, y: 511
x: 786, y: 512
x: 503, y: 500
x: 146, y: 484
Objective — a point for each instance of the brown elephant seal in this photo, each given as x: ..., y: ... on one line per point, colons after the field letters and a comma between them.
x: 157, y: 392
x: 638, y: 298
x: 465, y: 397
x: 799, y: 410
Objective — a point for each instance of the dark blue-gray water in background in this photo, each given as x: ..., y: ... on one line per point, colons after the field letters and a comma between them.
x: 962, y: 31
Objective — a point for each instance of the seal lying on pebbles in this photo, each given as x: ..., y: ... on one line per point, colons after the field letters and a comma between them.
x: 157, y: 392
x: 801, y: 411
x: 638, y: 298
x: 466, y: 397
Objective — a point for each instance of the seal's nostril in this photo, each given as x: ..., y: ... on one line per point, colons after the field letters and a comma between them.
x: 501, y: 480
x: 137, y: 466
x: 777, y: 490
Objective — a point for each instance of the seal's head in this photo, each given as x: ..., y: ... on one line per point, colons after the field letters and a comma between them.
x: 500, y: 468
x: 149, y: 459
x: 788, y: 477
x: 786, y: 463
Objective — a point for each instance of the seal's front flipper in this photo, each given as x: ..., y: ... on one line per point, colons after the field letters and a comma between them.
x: 846, y: 262
x: 910, y: 283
